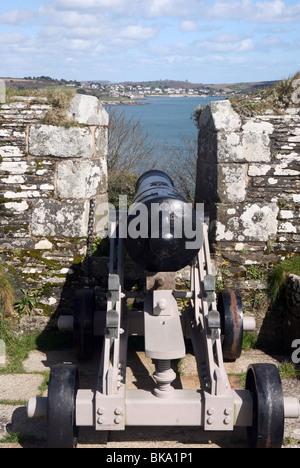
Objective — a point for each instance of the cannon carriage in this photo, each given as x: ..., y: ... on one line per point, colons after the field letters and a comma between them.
x: 162, y: 233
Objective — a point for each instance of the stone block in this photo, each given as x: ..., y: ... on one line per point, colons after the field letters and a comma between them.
x: 87, y: 110
x: 256, y: 142
x: 81, y: 179
x: 2, y: 353
x: 101, y: 216
x: 67, y: 218
x: 9, y: 151
x: 225, y: 183
x: 207, y: 182
x: 232, y: 182
x: 101, y: 141
x: 251, y: 145
x: 220, y: 116
x: 296, y: 93
x: 255, y: 222
x: 61, y: 142
x: 2, y: 91
x: 43, y: 244
x: 259, y: 221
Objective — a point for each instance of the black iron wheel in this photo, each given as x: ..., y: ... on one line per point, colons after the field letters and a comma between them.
x: 264, y: 383
x: 230, y: 308
x: 61, y: 407
x: 83, y: 330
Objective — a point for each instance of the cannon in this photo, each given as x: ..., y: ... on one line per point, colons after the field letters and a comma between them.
x: 213, y: 323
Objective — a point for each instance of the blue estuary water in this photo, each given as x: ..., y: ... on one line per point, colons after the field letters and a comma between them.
x: 166, y: 119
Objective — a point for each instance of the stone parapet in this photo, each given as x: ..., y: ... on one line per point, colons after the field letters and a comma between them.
x: 248, y: 177
x: 48, y: 176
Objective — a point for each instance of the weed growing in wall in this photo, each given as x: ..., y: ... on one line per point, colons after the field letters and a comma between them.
x: 7, y: 297
x: 277, y: 276
x: 276, y: 98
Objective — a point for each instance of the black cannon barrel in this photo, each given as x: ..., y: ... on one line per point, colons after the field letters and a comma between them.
x: 161, y: 225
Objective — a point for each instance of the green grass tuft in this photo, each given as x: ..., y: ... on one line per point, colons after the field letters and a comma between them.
x: 276, y: 98
x: 277, y: 276
x: 7, y: 297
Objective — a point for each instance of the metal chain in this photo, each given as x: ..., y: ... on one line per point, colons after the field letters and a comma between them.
x: 91, y: 228
x: 90, y: 240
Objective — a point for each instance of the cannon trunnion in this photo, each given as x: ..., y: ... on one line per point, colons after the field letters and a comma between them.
x: 214, y: 325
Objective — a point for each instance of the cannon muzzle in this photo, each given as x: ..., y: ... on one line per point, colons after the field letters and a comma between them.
x: 164, y: 232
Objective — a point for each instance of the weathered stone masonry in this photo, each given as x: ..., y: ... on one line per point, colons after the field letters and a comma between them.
x: 49, y: 174
x: 248, y: 178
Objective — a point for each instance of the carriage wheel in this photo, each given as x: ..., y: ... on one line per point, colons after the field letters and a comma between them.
x: 230, y: 308
x: 83, y: 331
x: 62, y: 391
x: 264, y: 383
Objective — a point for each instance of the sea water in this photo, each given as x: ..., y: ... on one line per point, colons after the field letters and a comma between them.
x: 166, y: 120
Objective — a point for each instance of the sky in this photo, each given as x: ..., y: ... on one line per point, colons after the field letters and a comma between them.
x: 215, y: 41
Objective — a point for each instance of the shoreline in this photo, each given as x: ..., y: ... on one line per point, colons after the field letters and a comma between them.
x: 139, y: 101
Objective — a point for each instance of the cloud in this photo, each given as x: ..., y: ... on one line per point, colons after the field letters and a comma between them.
x: 138, y: 32
x: 225, y: 43
x: 72, y: 19
x: 91, y: 4
x: 16, y: 17
x: 275, y: 11
x: 171, y: 8
x: 273, y: 43
x: 189, y: 26
x: 88, y: 38
x: 12, y: 39
x: 150, y: 9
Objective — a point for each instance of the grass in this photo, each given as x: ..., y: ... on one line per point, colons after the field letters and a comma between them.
x: 277, y: 276
x: 36, y: 93
x: 276, y: 98
x: 60, y: 101
x: 17, y: 438
x: 249, y: 341
x: 18, y: 346
x: 290, y: 441
x: 7, y: 296
x: 59, y: 98
x: 288, y: 370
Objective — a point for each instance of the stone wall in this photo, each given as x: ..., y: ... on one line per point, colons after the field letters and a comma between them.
x: 49, y: 174
x: 292, y: 318
x: 248, y: 178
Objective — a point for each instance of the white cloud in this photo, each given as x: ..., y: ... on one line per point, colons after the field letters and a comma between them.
x: 90, y: 4
x: 275, y: 11
x: 16, y: 17
x: 80, y: 45
x: 138, y: 32
x: 189, y: 26
x: 160, y: 8
x: 72, y: 19
x: 225, y: 43
x: 272, y: 43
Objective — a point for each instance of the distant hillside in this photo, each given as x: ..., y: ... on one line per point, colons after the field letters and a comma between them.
x: 227, y: 87
x: 36, y: 82
x: 224, y: 88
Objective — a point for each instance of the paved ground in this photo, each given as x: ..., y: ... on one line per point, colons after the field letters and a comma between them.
x: 17, y: 389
